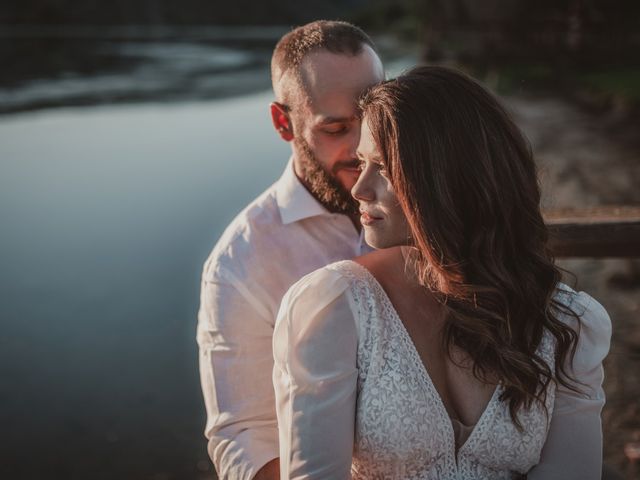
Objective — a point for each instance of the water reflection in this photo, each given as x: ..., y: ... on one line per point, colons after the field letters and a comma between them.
x: 80, y: 66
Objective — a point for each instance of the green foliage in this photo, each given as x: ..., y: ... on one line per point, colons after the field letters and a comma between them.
x: 624, y: 83
x: 513, y: 77
x: 404, y: 18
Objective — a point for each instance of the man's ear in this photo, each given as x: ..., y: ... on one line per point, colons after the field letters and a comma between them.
x: 280, y: 119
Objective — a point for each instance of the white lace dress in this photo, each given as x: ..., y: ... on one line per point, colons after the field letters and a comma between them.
x: 354, y: 399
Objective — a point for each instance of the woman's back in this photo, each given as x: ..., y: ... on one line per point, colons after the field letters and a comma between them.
x: 357, y: 397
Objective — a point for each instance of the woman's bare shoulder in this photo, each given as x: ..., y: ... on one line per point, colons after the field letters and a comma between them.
x: 382, y: 262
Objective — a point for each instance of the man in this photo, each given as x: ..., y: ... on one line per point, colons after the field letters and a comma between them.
x: 304, y: 221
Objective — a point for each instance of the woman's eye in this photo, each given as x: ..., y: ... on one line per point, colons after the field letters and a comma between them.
x: 378, y: 167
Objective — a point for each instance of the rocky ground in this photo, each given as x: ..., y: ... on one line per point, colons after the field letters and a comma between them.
x: 589, y: 159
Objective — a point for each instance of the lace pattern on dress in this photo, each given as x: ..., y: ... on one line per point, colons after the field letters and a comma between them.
x: 402, y: 429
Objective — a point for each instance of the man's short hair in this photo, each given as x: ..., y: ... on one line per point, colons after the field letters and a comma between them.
x: 333, y: 36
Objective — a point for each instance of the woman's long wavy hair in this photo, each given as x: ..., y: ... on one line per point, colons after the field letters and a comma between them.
x: 466, y: 179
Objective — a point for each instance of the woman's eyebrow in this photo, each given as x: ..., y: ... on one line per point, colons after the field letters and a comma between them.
x: 372, y: 159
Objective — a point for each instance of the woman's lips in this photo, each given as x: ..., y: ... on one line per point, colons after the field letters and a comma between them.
x: 367, y: 219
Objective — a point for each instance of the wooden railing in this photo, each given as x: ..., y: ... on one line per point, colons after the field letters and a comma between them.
x: 594, y: 232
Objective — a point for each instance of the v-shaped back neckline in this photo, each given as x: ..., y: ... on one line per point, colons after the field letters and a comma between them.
x: 422, y: 368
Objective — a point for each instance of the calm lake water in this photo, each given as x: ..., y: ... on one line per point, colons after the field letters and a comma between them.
x: 107, y: 214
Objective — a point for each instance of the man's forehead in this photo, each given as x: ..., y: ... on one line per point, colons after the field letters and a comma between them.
x: 322, y: 66
x: 333, y: 82
x: 336, y: 107
x: 326, y: 73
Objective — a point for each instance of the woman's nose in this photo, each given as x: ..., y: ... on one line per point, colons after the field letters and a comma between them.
x: 362, y: 190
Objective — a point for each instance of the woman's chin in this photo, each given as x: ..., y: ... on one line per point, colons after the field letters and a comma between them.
x: 378, y: 241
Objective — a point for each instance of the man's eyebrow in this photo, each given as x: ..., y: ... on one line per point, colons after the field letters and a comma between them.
x: 329, y: 120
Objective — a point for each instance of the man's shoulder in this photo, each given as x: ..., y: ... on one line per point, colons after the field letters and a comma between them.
x: 259, y: 237
x: 257, y: 220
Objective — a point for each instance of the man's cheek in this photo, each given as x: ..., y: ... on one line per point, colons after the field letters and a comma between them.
x: 348, y: 177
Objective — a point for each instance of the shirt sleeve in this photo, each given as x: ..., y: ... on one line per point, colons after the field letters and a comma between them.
x: 573, y: 449
x: 315, y: 378
x: 236, y: 362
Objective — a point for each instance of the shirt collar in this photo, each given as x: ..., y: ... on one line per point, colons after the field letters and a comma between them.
x: 294, y: 200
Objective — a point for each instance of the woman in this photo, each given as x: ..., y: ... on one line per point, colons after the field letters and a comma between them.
x: 452, y: 352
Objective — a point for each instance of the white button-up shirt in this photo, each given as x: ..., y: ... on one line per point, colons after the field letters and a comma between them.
x: 281, y: 236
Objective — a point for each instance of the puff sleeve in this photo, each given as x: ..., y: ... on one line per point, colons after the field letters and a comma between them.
x: 315, y: 377
x: 573, y: 449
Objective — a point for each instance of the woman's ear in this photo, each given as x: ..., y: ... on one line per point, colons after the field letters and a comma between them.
x: 280, y: 119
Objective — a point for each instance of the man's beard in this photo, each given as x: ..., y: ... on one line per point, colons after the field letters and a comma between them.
x: 322, y: 185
